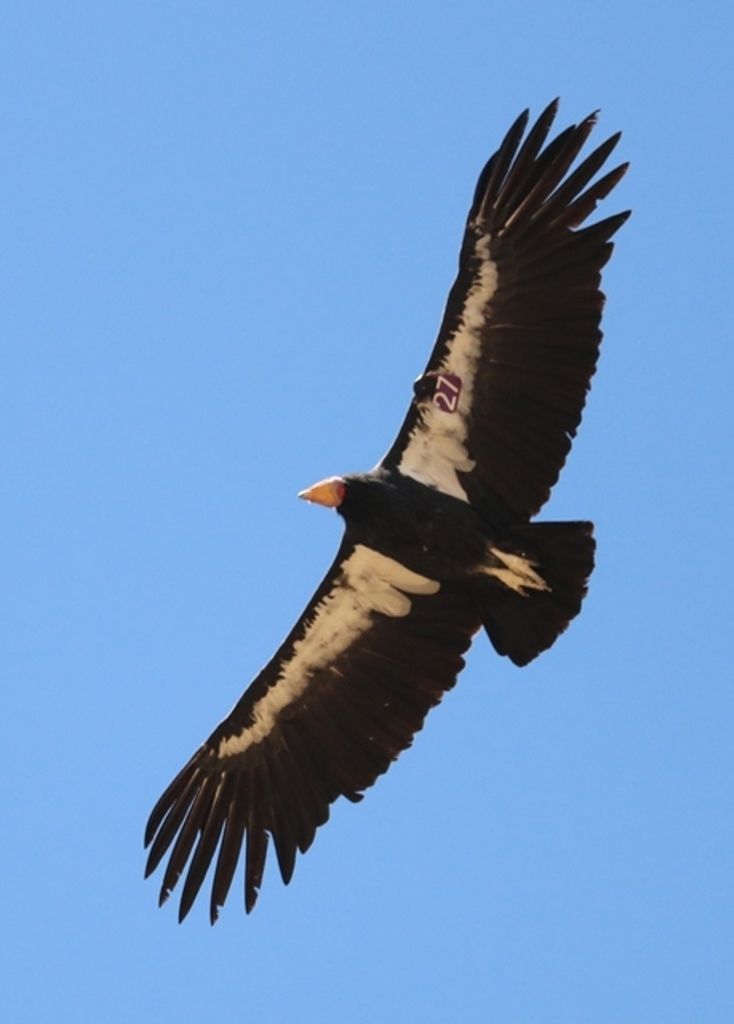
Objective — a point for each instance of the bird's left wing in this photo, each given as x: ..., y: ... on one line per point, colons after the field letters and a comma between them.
x: 376, y: 648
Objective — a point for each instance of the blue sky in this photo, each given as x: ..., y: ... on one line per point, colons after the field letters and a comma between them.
x: 229, y: 231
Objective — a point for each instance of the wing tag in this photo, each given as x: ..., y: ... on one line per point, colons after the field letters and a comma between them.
x: 442, y: 389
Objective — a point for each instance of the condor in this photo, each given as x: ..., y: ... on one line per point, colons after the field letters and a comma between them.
x: 438, y: 542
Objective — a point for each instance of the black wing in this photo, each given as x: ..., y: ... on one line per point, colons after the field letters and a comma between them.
x: 502, y: 395
x: 375, y: 649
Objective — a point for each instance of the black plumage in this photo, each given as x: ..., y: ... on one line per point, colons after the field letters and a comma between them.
x: 437, y: 542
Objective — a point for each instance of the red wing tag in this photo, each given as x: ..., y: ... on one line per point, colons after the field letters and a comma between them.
x: 442, y: 389
x: 448, y: 391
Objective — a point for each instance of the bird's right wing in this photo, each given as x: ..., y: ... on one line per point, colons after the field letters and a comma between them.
x: 502, y: 395
x: 375, y: 649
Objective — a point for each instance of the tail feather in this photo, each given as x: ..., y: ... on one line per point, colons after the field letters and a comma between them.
x: 537, y: 587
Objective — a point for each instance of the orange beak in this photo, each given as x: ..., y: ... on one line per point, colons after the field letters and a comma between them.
x: 326, y: 492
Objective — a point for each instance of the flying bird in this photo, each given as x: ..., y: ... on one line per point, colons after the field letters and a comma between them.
x: 438, y: 540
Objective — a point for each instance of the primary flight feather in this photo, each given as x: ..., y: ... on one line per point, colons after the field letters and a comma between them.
x: 438, y: 541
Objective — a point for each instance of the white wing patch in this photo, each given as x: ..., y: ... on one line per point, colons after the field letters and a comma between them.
x: 369, y: 583
x: 436, y: 450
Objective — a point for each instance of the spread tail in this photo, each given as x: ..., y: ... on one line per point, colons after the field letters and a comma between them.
x: 535, y: 586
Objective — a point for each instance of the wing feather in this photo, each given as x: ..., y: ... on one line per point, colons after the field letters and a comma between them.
x: 196, y: 817
x: 285, y: 838
x: 257, y: 837
x: 210, y: 831
x: 230, y: 847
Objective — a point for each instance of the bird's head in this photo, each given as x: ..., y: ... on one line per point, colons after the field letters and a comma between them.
x: 356, y: 497
x: 330, y: 492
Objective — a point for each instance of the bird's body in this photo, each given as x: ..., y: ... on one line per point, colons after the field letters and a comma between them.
x: 428, y: 532
x: 438, y: 541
